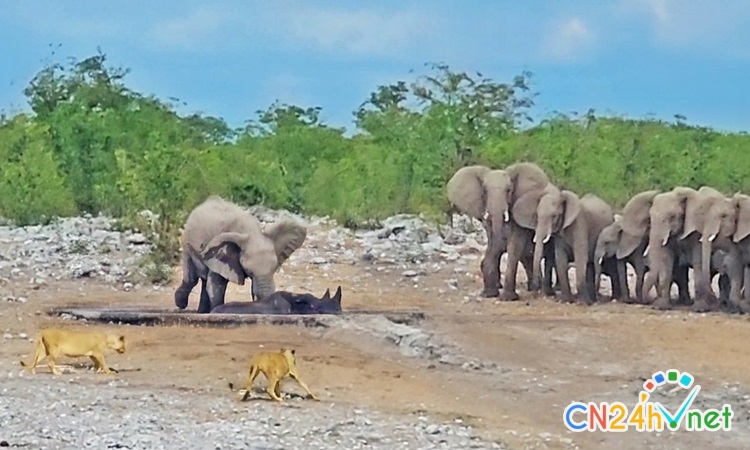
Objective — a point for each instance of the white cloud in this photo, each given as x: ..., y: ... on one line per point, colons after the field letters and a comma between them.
x: 361, y: 31
x: 364, y: 32
x: 568, y: 39
x: 196, y: 30
x: 718, y: 25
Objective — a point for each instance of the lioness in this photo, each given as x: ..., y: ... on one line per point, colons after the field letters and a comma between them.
x: 54, y: 342
x: 275, y: 366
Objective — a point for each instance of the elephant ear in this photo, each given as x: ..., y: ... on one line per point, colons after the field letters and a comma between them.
x: 287, y: 236
x: 572, y: 208
x: 635, y: 215
x: 524, y: 209
x: 697, y: 204
x: 466, y: 193
x: 627, y: 244
x: 743, y: 217
x: 222, y: 255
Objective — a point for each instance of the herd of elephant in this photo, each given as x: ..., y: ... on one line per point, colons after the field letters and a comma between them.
x: 660, y: 234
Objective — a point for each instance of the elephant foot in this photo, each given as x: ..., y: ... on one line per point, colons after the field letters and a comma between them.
x: 488, y: 292
x: 567, y: 298
x: 181, y: 298
x: 732, y: 308
x: 706, y: 297
x: 549, y: 291
x: 662, y: 304
x: 745, y: 306
x: 508, y: 296
x: 701, y: 306
x: 627, y: 300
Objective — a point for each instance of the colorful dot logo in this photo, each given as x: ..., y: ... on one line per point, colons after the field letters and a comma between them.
x: 684, y: 379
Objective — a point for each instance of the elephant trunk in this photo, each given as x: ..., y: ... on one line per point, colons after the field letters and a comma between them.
x: 598, y: 258
x: 262, y: 287
x: 703, y: 285
x: 658, y: 237
x: 542, y: 235
x: 536, y: 275
x: 498, y: 232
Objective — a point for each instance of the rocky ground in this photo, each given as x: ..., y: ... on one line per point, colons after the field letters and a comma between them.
x: 477, y: 373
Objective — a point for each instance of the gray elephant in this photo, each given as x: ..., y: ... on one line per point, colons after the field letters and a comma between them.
x: 677, y: 218
x: 741, y: 238
x: 223, y: 242
x: 484, y: 194
x: 714, y: 219
x: 605, y: 251
x: 529, y: 236
x: 625, y: 240
x: 575, y: 224
x: 487, y: 195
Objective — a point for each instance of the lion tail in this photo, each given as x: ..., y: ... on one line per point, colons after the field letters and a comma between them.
x: 37, y: 349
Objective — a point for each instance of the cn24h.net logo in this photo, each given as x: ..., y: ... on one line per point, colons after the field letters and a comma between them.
x: 649, y: 416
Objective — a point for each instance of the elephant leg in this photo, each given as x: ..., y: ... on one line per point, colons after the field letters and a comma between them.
x: 745, y: 301
x: 580, y: 260
x: 591, y: 289
x: 662, y: 271
x: 639, y: 267
x: 736, y: 278
x: 680, y: 277
x: 705, y: 297
x: 205, y: 301
x: 516, y: 246
x: 746, y: 284
x: 733, y: 272
x: 216, y: 285
x: 527, y: 261
x: 618, y: 279
x: 189, y: 280
x: 550, y: 252
x: 621, y: 273
x: 549, y: 265
x: 561, y: 262
x: 491, y: 264
x: 725, y: 285
x: 649, y: 284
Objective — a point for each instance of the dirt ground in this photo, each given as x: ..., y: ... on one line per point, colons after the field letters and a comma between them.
x: 548, y: 354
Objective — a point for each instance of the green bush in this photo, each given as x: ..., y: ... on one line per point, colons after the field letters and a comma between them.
x: 93, y: 145
x: 32, y: 188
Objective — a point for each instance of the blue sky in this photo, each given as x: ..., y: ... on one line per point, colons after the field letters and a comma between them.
x: 230, y: 58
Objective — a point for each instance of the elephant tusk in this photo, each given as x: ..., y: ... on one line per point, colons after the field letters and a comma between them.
x: 664, y: 242
x: 645, y: 252
x: 486, y: 216
x: 546, y: 238
x: 712, y: 237
x: 506, y: 216
x: 599, y: 261
x: 534, y: 240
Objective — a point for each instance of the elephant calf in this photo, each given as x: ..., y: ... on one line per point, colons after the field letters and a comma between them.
x: 223, y: 242
x: 586, y: 217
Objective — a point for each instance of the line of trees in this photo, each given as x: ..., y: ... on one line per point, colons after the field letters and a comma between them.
x: 93, y: 145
